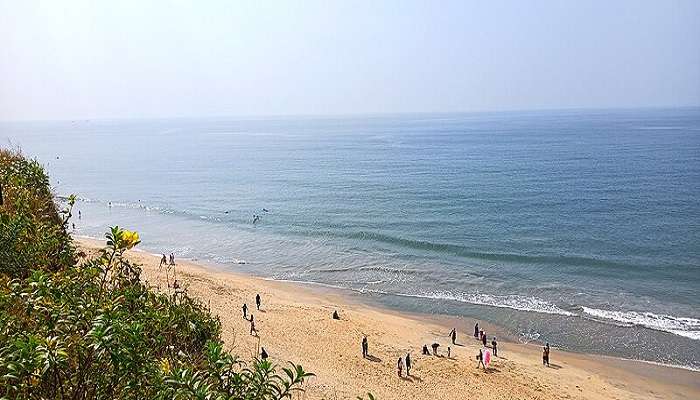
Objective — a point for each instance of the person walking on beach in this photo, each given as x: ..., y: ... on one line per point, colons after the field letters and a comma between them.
x: 493, y: 346
x: 408, y: 364
x: 425, y: 350
x: 263, y: 354
x: 476, y: 330
x: 480, y: 358
x: 449, y: 351
x: 545, y: 355
x: 252, y: 326
x: 245, y: 311
x: 163, y: 261
x: 172, y: 259
x: 483, y: 338
x: 257, y: 301
x: 399, y: 366
x: 365, y: 347
x: 453, y: 335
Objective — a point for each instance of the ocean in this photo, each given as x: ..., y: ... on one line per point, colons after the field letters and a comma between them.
x: 578, y: 228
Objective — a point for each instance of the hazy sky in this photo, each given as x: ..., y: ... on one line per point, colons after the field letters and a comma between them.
x: 99, y: 59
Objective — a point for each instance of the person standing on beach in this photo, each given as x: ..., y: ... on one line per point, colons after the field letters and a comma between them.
x: 480, y: 358
x: 172, y: 259
x: 453, y: 335
x: 545, y: 355
x: 263, y: 354
x: 252, y: 326
x: 493, y: 346
x: 399, y: 366
x: 476, y: 330
x: 365, y: 347
x: 163, y: 261
x: 408, y: 364
x: 449, y: 351
x: 245, y: 311
x: 257, y: 301
x: 483, y: 338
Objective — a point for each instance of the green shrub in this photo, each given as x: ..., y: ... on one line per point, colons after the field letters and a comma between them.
x: 32, y: 231
x: 92, y: 329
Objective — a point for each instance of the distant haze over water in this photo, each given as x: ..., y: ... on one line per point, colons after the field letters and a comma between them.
x: 580, y: 228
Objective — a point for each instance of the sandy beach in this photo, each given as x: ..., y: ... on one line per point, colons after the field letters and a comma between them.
x: 295, y: 324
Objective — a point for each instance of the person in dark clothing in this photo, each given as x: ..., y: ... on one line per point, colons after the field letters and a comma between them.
x: 476, y: 330
x: 425, y: 350
x: 245, y: 311
x: 399, y: 366
x: 365, y: 347
x: 453, y: 335
x: 494, y: 345
x: 257, y: 301
x: 435, y: 348
x: 545, y: 355
x: 480, y: 358
x: 263, y: 353
x: 335, y: 315
x: 252, y: 326
x: 483, y: 338
x: 408, y: 364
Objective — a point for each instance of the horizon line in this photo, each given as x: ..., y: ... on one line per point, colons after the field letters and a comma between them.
x: 379, y: 114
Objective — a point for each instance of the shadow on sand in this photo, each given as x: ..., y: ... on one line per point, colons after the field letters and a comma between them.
x: 373, y: 358
x: 412, y: 378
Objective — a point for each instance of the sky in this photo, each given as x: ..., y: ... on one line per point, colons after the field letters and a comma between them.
x: 150, y: 59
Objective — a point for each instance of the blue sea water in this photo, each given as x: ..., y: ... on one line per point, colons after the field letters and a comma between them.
x: 580, y: 228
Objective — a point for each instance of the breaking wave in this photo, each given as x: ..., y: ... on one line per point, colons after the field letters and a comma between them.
x: 681, y: 326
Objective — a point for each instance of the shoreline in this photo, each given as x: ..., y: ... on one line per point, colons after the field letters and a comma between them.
x: 293, y: 329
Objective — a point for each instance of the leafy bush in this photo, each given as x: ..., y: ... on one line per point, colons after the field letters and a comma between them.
x: 92, y: 330
x: 32, y: 231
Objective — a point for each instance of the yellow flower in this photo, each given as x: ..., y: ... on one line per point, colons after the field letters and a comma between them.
x: 165, y: 365
x: 130, y: 239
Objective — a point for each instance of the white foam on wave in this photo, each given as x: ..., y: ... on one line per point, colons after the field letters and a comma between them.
x: 681, y: 326
x: 515, y: 302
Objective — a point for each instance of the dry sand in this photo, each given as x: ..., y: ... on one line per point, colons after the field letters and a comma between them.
x: 295, y: 324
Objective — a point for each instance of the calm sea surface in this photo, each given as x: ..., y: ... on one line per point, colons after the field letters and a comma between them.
x: 580, y: 228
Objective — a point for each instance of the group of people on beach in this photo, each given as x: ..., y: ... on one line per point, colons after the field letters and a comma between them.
x: 403, y: 361
x: 253, y: 331
x: 482, y: 358
x: 164, y: 260
x: 400, y: 364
